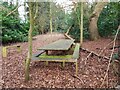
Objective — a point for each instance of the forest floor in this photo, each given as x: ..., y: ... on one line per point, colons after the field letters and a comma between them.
x: 90, y: 74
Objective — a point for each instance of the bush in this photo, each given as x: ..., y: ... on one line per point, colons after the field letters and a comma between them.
x: 108, y: 20
x: 12, y: 28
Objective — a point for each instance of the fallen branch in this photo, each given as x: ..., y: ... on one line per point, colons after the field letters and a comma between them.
x: 88, y: 57
x: 108, y: 67
x: 68, y: 30
x: 105, y: 47
x: 95, y: 53
x: 68, y: 36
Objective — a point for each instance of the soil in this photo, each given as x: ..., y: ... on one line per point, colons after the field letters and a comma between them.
x: 90, y: 74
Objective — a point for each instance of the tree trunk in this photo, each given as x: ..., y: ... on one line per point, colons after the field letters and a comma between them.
x: 81, y: 25
x: 80, y: 20
x: 119, y: 60
x: 27, y: 63
x: 50, y: 18
x: 94, y: 34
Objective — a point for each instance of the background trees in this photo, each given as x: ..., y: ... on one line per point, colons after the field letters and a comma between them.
x: 15, y: 30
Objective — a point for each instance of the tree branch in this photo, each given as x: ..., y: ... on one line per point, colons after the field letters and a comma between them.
x: 36, y: 11
x: 13, y: 10
x: 108, y: 67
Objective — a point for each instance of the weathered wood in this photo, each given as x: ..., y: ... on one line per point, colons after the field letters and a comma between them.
x: 55, y: 57
x: 13, y: 46
x: 4, y: 52
x: 65, y: 58
x: 4, y: 49
x: 76, y: 51
x: 76, y: 66
x: 37, y: 59
x: 68, y: 30
x: 68, y: 36
x: 62, y: 44
x: 39, y: 52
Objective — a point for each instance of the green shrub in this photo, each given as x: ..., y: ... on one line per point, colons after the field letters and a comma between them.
x: 108, y: 20
x: 12, y: 28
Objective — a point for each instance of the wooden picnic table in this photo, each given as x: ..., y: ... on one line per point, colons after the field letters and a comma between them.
x: 62, y: 44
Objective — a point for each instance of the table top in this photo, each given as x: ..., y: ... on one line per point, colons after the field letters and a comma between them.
x: 62, y: 44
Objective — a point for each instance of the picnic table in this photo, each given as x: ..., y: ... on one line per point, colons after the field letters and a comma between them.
x: 60, y: 45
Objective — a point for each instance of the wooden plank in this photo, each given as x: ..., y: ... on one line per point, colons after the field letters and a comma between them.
x: 76, y: 51
x: 62, y: 44
x: 55, y: 57
x: 12, y: 46
x: 37, y: 59
x: 38, y: 53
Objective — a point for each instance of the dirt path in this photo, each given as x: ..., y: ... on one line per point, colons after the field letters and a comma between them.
x: 53, y: 75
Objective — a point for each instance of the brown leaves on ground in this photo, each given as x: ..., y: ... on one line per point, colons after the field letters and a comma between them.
x: 53, y: 75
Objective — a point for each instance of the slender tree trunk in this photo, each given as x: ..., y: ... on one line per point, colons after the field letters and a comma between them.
x: 81, y: 25
x: 119, y: 56
x: 42, y: 30
x: 94, y: 35
x: 25, y: 8
x: 29, y: 41
x: 80, y: 20
x: 50, y: 19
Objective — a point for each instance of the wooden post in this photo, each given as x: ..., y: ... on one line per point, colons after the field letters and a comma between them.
x: 19, y: 48
x: 63, y: 63
x: 76, y: 68
x: 4, y: 51
x: 46, y: 63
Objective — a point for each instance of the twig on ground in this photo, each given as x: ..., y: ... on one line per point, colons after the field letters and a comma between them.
x: 105, y: 47
x: 95, y: 53
x: 78, y: 78
x: 87, y: 57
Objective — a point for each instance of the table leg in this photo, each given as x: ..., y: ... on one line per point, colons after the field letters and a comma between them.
x: 76, y: 68
x: 46, y: 63
x: 63, y: 63
x: 46, y: 52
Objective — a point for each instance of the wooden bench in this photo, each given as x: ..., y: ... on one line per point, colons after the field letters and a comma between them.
x: 66, y: 58
x: 4, y: 49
